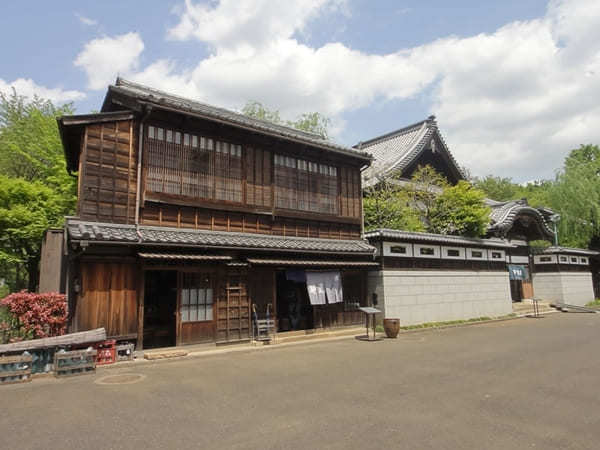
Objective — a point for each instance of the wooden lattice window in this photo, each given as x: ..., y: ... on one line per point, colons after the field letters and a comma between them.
x: 305, y: 185
x: 190, y: 165
x: 196, y: 298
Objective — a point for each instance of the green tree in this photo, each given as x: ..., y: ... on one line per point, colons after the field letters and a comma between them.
x: 313, y: 122
x: 576, y: 197
x: 460, y: 210
x: 393, y: 202
x: 388, y: 205
x: 27, y: 210
x: 497, y: 188
x: 426, y: 184
x: 36, y: 191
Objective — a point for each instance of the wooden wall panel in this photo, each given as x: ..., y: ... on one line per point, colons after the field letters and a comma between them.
x: 108, y: 298
x: 258, y: 177
x: 350, y: 192
x: 108, y: 173
x: 155, y: 214
x: 233, y: 308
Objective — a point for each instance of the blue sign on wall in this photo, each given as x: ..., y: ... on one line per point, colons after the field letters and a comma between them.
x: 516, y: 272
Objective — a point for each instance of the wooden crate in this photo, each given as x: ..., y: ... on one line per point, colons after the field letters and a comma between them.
x: 125, y: 352
x: 76, y: 362
x: 15, y: 369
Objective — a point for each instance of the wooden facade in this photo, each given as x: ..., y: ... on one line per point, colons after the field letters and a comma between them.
x: 108, y: 173
x: 161, y: 167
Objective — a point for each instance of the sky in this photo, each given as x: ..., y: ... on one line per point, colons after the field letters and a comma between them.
x: 514, y: 84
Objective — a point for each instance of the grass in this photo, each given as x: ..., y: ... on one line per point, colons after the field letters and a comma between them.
x: 594, y: 303
x: 447, y: 323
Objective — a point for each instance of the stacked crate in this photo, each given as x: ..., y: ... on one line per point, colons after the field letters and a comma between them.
x: 15, y: 369
x: 76, y: 362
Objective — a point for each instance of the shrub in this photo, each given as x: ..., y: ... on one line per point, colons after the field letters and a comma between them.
x: 40, y: 315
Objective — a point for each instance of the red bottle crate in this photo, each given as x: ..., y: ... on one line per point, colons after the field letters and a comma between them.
x: 107, y: 352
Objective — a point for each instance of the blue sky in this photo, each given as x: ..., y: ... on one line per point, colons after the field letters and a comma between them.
x: 511, y: 82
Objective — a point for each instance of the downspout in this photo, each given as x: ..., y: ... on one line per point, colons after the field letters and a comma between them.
x: 148, y: 110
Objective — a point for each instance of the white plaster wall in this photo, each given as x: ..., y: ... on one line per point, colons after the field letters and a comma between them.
x: 434, y: 296
x: 573, y: 288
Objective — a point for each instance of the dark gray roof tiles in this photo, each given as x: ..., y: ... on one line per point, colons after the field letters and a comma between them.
x: 160, y: 98
x: 100, y: 232
x: 570, y: 250
x: 91, y: 231
x: 395, y: 151
x: 414, y: 236
x: 504, y: 214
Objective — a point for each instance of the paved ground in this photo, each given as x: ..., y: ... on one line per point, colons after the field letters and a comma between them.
x: 528, y: 383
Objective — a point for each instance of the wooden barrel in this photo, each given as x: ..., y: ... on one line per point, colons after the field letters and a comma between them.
x: 391, y: 327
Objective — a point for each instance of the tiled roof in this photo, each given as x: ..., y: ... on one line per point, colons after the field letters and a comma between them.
x: 92, y: 231
x: 398, y: 235
x: 160, y: 98
x: 395, y: 151
x: 179, y: 256
x: 504, y: 215
x: 570, y: 250
x: 309, y: 263
x: 103, y: 232
x: 434, y: 238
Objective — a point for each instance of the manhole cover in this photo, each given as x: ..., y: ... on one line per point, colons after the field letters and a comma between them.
x: 125, y: 378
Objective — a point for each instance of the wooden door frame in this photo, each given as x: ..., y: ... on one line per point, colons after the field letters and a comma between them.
x: 141, y: 300
x: 212, y: 272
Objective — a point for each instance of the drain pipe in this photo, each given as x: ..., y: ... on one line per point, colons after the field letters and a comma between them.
x: 148, y: 110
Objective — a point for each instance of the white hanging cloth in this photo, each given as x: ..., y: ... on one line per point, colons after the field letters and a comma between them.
x: 333, y: 287
x: 324, y: 287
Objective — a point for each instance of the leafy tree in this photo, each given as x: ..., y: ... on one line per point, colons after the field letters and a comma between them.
x: 27, y: 210
x: 30, y: 146
x: 388, y: 205
x: 497, y: 188
x: 392, y: 202
x: 460, y: 210
x: 257, y: 110
x: 35, y: 189
x: 576, y: 197
x: 504, y: 189
x: 313, y: 122
x: 425, y: 186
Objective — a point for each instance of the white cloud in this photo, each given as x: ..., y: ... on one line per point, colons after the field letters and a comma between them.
x: 28, y: 88
x: 86, y: 20
x: 104, y: 58
x: 246, y: 24
x: 511, y: 102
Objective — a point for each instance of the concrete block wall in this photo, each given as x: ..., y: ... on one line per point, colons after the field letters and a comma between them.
x: 435, y: 296
x: 573, y: 288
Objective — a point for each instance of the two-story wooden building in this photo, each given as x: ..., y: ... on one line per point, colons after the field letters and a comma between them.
x: 188, y: 214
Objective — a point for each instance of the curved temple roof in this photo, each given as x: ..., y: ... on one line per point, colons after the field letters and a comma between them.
x: 505, y: 215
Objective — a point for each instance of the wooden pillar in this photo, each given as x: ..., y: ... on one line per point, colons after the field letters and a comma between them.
x: 178, y: 308
x: 140, y: 292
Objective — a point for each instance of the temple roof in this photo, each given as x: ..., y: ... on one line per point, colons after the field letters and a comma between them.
x: 505, y: 215
x: 396, y: 151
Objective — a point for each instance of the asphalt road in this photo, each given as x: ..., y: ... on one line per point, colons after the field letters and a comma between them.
x: 528, y: 383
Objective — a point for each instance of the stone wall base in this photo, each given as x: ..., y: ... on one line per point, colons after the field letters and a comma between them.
x: 572, y: 288
x: 417, y: 297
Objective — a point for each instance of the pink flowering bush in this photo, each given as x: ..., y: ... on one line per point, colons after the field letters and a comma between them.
x: 40, y: 315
